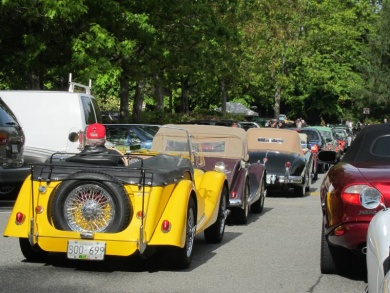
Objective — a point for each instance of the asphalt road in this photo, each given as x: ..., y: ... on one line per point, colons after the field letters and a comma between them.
x: 278, y: 251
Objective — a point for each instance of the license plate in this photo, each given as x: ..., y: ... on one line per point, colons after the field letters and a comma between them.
x: 86, y: 250
x: 14, y: 149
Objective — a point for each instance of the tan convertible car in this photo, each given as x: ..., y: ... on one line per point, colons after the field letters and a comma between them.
x: 227, y: 148
x: 286, y: 164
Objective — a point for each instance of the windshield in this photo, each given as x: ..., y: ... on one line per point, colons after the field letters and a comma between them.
x: 326, y: 134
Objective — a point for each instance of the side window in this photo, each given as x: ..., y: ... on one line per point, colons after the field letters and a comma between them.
x: 91, y: 110
x: 97, y: 111
x: 380, y: 147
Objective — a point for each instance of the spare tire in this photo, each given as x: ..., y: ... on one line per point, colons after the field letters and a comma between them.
x: 90, y: 201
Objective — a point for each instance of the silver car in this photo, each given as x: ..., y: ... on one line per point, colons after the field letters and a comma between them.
x: 12, y: 168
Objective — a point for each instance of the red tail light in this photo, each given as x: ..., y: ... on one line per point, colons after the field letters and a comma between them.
x: 351, y: 198
x: 351, y: 194
x: 314, y: 148
x: 234, y: 194
x: 19, y: 218
x: 3, y: 138
x: 339, y: 231
x: 288, y: 165
x: 166, y: 226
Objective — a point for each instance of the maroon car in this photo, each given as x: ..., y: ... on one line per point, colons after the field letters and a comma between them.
x: 226, y: 149
x: 364, y: 168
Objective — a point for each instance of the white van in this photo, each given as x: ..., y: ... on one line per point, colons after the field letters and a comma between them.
x: 49, y: 117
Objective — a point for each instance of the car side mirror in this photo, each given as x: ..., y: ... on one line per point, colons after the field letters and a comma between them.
x: 73, y: 136
x: 329, y: 157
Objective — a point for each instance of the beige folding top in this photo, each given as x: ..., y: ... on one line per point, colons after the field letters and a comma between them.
x: 211, y: 140
x: 277, y: 139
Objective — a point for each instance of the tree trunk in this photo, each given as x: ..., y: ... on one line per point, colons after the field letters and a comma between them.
x: 159, y: 94
x: 170, y: 101
x: 138, y: 100
x: 34, y: 81
x: 184, y: 96
x: 222, y: 86
x: 124, y: 99
x: 278, y: 96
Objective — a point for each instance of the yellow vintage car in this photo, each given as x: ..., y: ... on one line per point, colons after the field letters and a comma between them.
x: 91, y: 208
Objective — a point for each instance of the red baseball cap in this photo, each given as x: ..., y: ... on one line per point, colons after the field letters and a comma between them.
x: 96, y: 131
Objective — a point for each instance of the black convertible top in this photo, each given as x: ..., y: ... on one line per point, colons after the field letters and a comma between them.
x: 371, y: 145
x: 157, y: 170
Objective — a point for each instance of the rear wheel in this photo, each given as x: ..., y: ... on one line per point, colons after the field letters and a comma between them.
x: 32, y: 253
x: 182, y: 256
x: 258, y: 206
x: 334, y: 260
x: 240, y: 215
x: 9, y: 191
x: 214, y: 234
x: 90, y: 202
x: 308, y: 181
x: 321, y: 168
x: 315, y: 172
x: 327, y: 262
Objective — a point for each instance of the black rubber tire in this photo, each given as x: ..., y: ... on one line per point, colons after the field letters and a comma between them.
x: 315, y: 174
x: 214, y: 233
x: 327, y: 262
x: 9, y: 191
x: 181, y: 257
x: 258, y: 206
x: 299, y: 191
x: 32, y: 253
x: 106, y: 186
x: 308, y: 181
x: 240, y: 215
x: 321, y: 168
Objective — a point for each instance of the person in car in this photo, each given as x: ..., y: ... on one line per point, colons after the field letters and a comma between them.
x: 95, y: 151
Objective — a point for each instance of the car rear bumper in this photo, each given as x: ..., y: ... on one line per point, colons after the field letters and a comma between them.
x: 348, y: 235
x: 14, y: 175
x: 236, y: 202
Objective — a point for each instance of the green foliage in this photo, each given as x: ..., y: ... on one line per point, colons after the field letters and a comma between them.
x: 328, y: 57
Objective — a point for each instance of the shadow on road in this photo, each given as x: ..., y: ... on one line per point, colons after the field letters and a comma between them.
x: 203, y: 252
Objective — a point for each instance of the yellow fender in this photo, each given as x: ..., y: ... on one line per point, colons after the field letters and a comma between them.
x: 176, y: 213
x: 24, y: 205
x: 209, y: 190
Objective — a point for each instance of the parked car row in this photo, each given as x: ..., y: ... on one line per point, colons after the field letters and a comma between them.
x: 180, y: 180
x: 188, y: 180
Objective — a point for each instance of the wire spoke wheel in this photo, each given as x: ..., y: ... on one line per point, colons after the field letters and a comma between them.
x: 89, y: 207
x: 91, y: 202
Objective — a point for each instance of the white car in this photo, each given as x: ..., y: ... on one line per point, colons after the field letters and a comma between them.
x: 378, y: 243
